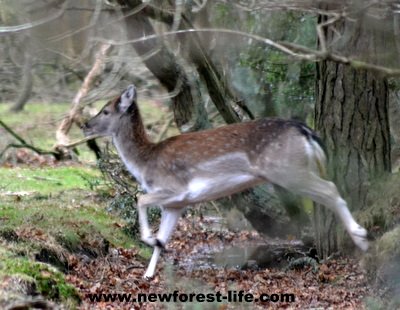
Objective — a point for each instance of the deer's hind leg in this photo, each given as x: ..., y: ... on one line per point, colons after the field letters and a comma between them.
x: 307, y: 183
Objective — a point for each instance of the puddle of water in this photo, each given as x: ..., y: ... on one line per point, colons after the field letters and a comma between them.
x: 236, y: 256
x: 251, y: 256
x: 262, y: 253
x: 256, y: 256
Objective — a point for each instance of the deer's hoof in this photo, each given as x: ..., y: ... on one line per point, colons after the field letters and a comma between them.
x: 148, y: 277
x: 160, y: 244
x: 359, y: 236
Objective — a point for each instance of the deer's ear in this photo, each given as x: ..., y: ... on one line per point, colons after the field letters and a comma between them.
x: 127, y: 98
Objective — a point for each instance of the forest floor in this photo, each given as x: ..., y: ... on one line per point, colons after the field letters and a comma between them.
x: 60, y: 246
x: 337, y: 284
x: 59, y: 242
x: 73, y: 232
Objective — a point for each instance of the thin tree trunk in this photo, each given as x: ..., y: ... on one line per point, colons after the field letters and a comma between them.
x: 210, y: 76
x: 219, y: 92
x: 26, y: 85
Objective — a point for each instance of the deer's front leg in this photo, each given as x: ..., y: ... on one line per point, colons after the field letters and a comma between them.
x: 170, y: 217
x: 144, y: 202
x: 154, y: 199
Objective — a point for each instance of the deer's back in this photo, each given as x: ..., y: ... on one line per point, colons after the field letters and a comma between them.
x: 230, y: 151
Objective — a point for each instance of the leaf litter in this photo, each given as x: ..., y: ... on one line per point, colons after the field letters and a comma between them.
x: 338, y: 284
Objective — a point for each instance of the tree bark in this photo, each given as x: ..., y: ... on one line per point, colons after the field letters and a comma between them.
x: 351, y: 115
x: 271, y: 211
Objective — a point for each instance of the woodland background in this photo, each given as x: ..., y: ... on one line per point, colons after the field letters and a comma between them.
x: 67, y: 218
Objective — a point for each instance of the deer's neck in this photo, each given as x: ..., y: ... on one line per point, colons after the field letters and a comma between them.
x: 132, y: 143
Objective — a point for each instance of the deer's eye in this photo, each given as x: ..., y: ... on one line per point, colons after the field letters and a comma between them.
x: 105, y: 112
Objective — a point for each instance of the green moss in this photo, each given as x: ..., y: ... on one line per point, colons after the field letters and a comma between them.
x: 48, y: 281
x: 372, y: 303
x: 382, y: 210
x: 61, y: 216
x: 389, y: 245
x: 69, y: 239
x: 382, y: 266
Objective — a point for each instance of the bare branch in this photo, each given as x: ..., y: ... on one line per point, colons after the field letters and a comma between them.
x: 321, y: 34
x: 291, y: 49
x: 76, y: 109
x: 355, y: 63
x: 267, y: 41
x: 177, y: 15
x: 287, y: 5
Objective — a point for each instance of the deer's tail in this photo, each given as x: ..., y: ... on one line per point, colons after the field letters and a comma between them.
x: 319, y: 157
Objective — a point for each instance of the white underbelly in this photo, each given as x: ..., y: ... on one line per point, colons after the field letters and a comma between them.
x: 204, y: 189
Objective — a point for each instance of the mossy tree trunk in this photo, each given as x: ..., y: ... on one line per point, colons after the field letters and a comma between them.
x: 351, y: 115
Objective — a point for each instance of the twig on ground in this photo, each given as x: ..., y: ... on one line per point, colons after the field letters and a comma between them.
x: 24, y: 144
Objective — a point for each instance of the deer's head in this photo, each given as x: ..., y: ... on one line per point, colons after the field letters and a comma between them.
x: 108, y: 120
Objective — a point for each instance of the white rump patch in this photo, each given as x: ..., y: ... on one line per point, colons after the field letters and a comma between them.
x: 309, y: 148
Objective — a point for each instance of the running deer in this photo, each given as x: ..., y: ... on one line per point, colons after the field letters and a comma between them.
x: 210, y: 164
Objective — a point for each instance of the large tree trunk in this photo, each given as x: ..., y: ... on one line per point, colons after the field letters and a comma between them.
x: 351, y: 115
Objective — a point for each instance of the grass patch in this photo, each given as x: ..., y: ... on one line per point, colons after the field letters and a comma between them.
x: 77, y: 227
x: 37, y: 124
x: 63, y: 204
x: 47, y: 180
